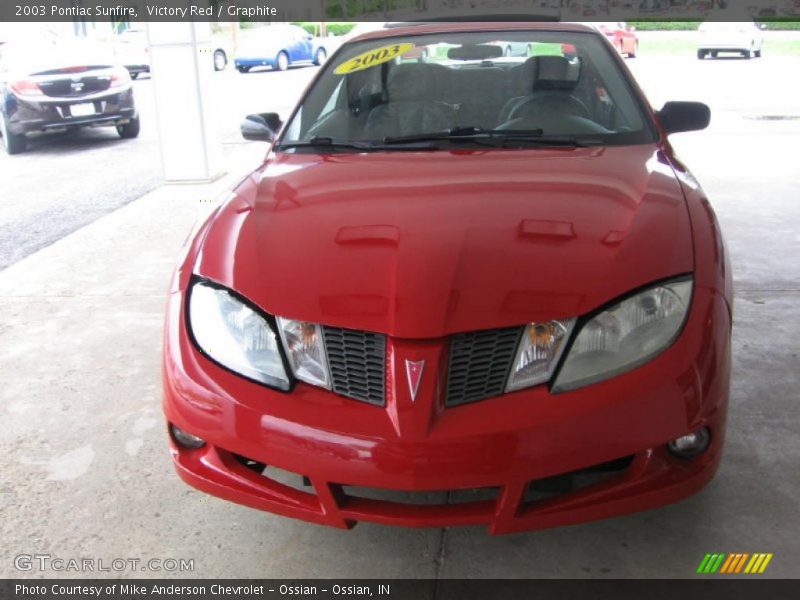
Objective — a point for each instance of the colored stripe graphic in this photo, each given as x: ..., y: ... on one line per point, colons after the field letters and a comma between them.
x: 752, y: 564
x: 735, y: 558
x: 764, y: 564
x: 731, y: 563
x: 703, y: 563
x: 722, y: 563
x: 732, y: 558
x: 759, y: 564
x: 717, y: 564
x: 741, y: 562
x: 710, y: 563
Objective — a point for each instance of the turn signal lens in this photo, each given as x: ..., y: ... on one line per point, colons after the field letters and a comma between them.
x: 538, y: 353
x: 305, y: 350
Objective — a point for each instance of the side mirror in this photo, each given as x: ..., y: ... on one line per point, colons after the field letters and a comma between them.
x: 684, y: 116
x: 261, y: 127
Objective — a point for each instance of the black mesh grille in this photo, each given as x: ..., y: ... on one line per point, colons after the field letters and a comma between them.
x: 479, y: 364
x: 357, y: 361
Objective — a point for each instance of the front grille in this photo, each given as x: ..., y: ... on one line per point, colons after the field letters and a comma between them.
x: 480, y: 362
x: 357, y: 361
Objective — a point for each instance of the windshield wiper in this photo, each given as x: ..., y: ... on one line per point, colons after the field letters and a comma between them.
x: 456, y: 134
x: 495, y: 137
x: 567, y: 141
x: 328, y: 142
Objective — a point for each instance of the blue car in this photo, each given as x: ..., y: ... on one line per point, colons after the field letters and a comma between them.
x: 278, y: 47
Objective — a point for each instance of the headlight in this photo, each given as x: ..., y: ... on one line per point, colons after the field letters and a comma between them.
x: 306, y: 351
x: 626, y: 334
x: 235, y: 335
x: 538, y: 353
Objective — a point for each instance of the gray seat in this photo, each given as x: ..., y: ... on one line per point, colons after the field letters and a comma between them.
x: 413, y: 103
x: 519, y: 79
x: 549, y: 81
x: 479, y: 94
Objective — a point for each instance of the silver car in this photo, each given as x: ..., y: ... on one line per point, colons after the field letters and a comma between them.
x: 744, y: 38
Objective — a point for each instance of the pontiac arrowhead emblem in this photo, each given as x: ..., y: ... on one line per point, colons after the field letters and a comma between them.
x: 414, y: 372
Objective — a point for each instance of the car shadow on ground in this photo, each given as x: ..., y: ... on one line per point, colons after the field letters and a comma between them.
x: 728, y: 57
x: 83, y: 139
x: 263, y: 70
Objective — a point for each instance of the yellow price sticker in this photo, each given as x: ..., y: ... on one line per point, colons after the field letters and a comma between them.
x: 373, y: 57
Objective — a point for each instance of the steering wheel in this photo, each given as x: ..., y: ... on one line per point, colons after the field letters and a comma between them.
x: 550, y: 102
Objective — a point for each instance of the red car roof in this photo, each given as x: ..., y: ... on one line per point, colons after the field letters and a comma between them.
x: 447, y: 26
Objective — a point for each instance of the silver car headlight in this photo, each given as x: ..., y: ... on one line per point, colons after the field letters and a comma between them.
x: 235, y: 335
x: 626, y: 334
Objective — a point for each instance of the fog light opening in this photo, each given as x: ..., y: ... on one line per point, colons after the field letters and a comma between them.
x: 690, y: 445
x: 186, y: 439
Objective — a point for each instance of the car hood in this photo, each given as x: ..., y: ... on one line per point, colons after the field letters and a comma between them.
x: 424, y: 244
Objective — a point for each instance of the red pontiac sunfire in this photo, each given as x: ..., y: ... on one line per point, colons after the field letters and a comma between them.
x: 462, y: 288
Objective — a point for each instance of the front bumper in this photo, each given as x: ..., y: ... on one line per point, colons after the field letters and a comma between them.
x: 502, y: 444
x: 45, y: 114
x: 725, y: 45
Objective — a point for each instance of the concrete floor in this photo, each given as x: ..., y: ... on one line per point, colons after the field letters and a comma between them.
x: 85, y: 472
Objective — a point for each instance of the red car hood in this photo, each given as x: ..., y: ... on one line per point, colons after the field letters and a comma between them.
x: 423, y: 244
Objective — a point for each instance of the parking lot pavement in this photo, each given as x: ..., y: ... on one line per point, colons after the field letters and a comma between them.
x: 66, y: 181
x: 83, y: 444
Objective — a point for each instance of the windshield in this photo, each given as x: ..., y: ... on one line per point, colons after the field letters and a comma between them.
x: 470, y: 86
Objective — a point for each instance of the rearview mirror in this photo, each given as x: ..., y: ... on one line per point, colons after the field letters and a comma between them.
x: 684, y: 116
x: 261, y: 127
x: 475, y: 52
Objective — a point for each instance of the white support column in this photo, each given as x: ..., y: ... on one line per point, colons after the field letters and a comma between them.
x: 181, y: 68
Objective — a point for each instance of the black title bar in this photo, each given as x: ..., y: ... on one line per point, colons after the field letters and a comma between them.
x: 392, y: 10
x: 702, y: 588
